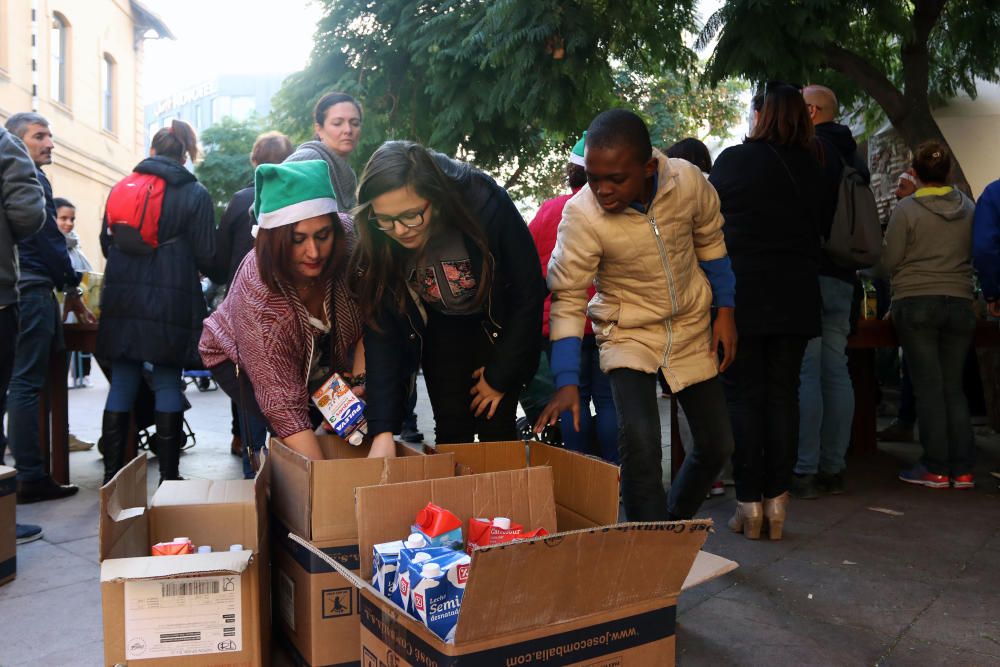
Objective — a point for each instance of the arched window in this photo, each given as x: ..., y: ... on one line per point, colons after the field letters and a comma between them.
x: 108, y: 90
x: 59, y: 47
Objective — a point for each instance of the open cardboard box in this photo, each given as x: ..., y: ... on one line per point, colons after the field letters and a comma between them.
x: 316, y: 610
x: 196, y: 609
x: 8, y: 526
x: 603, y: 595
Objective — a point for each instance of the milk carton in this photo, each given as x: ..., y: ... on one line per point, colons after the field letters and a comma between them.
x: 342, y: 409
x: 400, y: 594
x: 437, y: 594
x: 385, y: 562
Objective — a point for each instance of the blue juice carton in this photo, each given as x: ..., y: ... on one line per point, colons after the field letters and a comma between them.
x: 408, y: 558
x: 437, y: 591
x: 385, y: 562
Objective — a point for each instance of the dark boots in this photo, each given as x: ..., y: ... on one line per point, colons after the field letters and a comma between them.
x: 114, y: 435
x: 169, y: 439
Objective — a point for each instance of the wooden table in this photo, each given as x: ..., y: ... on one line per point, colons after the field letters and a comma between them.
x: 861, y: 346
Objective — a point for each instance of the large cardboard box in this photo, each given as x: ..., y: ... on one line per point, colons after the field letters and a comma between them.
x: 315, y: 608
x: 8, y: 526
x: 197, y: 609
x: 603, y: 595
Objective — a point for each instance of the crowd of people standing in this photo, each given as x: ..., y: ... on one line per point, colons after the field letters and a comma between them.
x: 655, y: 267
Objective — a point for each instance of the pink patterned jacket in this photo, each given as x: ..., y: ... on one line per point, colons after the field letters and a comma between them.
x: 268, y: 336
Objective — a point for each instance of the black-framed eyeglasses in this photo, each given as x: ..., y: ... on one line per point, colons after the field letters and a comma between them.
x: 410, y: 219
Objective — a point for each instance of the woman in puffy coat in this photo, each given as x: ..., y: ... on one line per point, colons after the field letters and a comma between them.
x: 152, y: 305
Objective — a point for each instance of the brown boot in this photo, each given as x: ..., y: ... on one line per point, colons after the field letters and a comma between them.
x: 236, y: 447
x: 748, y: 519
x: 774, y: 512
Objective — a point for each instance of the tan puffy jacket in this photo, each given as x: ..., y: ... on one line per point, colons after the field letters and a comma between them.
x: 653, y: 301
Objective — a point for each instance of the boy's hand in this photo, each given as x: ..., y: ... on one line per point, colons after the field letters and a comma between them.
x: 724, y: 333
x: 485, y: 398
x: 565, y: 398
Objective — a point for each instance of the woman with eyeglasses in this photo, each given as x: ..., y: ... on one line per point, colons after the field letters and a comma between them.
x: 447, y: 278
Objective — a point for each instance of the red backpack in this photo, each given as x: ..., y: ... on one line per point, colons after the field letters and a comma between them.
x: 133, y: 212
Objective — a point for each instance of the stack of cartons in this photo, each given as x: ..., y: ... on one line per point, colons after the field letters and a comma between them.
x: 594, y: 594
x: 316, y: 609
x: 188, y: 610
x: 8, y: 526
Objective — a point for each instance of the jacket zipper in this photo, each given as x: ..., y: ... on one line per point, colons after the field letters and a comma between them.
x: 670, y: 287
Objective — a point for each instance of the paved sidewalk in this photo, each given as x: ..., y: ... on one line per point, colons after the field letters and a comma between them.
x: 849, y: 585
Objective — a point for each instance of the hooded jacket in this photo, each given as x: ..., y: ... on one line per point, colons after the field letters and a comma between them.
x: 927, y: 249
x: 986, y: 240
x: 22, y: 209
x: 653, y: 301
x: 152, y: 305
x: 342, y: 177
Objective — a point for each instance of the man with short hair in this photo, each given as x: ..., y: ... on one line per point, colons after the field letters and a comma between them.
x: 45, y: 265
x: 826, y: 396
x: 22, y: 213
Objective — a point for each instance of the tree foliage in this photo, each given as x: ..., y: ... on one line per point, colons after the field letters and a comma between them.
x: 226, y: 167
x: 905, y: 56
x: 503, y: 81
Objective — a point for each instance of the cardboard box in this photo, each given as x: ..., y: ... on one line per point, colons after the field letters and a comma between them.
x: 602, y: 595
x: 315, y: 608
x: 8, y: 525
x: 198, y: 609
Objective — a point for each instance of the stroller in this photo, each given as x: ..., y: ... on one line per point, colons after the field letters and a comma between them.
x: 143, y: 411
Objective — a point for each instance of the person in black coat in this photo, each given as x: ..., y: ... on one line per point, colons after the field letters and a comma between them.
x: 771, y: 193
x: 448, y: 277
x: 233, y: 240
x: 152, y: 305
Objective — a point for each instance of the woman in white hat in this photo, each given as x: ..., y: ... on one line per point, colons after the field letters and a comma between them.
x: 288, y: 321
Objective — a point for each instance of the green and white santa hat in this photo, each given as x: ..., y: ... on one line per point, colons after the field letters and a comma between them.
x: 287, y: 193
x: 576, y: 155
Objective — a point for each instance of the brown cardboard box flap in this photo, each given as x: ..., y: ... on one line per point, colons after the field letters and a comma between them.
x: 542, y: 582
x: 204, y: 492
x: 124, y: 524
x: 707, y: 567
x: 7, y: 471
x: 315, y: 499
x: 385, y: 513
x: 168, y: 567
x: 586, y: 488
x: 477, y: 458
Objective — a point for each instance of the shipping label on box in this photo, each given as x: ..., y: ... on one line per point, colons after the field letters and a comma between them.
x: 185, y: 616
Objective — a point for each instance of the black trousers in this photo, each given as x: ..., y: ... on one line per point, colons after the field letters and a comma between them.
x: 640, y: 445
x: 762, y: 388
x: 454, y: 347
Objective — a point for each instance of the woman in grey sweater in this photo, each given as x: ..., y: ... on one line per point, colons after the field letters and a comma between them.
x: 928, y: 255
x: 337, y: 123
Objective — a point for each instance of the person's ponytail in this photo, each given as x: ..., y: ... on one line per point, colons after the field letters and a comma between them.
x: 177, y: 142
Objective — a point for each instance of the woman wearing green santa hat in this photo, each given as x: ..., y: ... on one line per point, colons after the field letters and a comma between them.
x: 289, y: 320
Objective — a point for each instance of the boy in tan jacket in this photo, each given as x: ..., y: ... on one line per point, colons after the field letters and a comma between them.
x: 647, y: 233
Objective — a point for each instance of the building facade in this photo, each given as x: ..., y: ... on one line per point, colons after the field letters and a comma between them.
x: 237, y: 96
x: 79, y: 64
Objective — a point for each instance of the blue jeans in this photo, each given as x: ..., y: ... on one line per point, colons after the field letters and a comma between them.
x: 125, y: 378
x: 935, y: 333
x: 826, y: 396
x: 40, y: 333
x: 594, y: 386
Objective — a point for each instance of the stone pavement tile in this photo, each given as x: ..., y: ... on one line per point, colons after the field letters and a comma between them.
x: 957, y: 524
x: 916, y: 653
x: 726, y: 632
x: 91, y: 653
x: 63, y: 624
x: 43, y: 567
x: 837, y: 594
x: 88, y: 547
x: 64, y: 520
x: 751, y: 554
x: 690, y: 599
x: 962, y: 619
